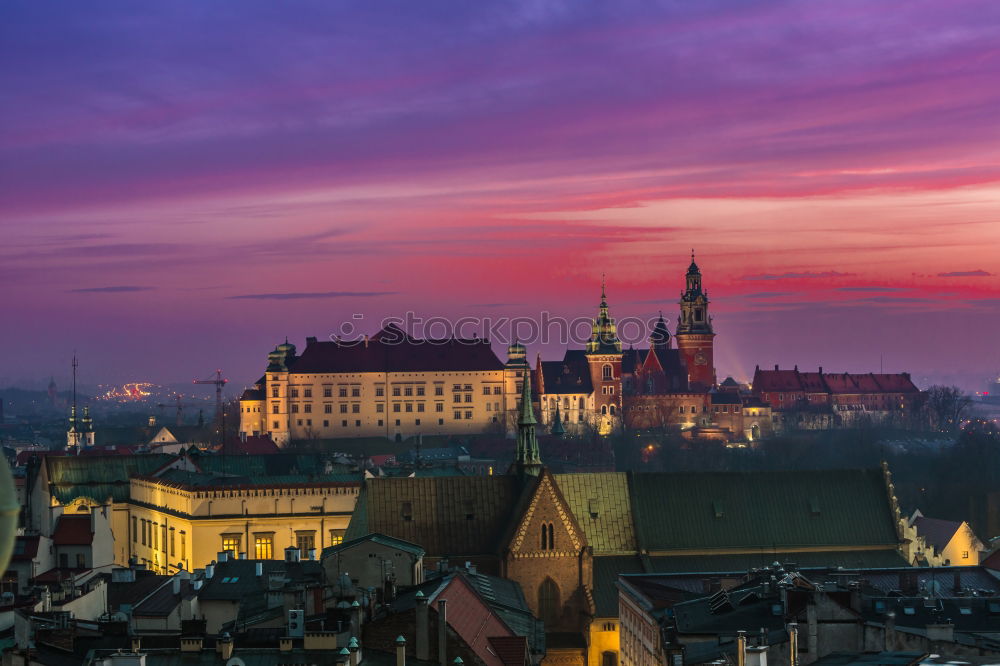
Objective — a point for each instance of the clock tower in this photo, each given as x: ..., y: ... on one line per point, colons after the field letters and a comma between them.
x: 694, y: 334
x: 604, y: 358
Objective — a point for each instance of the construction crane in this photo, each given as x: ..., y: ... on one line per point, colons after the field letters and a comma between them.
x: 219, y: 383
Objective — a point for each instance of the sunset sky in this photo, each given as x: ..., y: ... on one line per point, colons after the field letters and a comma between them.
x: 184, y: 183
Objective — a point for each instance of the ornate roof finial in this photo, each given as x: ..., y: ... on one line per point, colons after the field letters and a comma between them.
x: 604, y: 297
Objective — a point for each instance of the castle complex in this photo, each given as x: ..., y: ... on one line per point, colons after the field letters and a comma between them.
x: 395, y: 386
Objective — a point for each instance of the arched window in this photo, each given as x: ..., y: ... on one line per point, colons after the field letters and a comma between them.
x: 565, y: 403
x: 547, y: 541
x: 544, y: 541
x: 611, y: 410
x: 552, y: 537
x: 582, y: 404
x: 609, y: 658
x: 604, y: 409
x: 606, y: 371
x: 548, y: 602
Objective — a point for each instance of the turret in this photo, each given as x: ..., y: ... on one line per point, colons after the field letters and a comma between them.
x: 517, y: 355
x: 660, y: 337
x: 604, y: 333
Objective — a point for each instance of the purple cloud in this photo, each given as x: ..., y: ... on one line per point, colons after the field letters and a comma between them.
x: 976, y: 273
x: 115, y: 289
x: 796, y: 276
x: 304, y: 295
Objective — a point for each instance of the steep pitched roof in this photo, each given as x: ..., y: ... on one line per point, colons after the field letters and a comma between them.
x: 761, y: 510
x: 570, y: 375
x: 382, y: 539
x: 447, y: 515
x: 601, y: 504
x: 391, y: 350
x: 935, y: 531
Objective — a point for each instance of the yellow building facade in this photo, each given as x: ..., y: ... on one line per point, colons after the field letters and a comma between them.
x: 391, y: 386
x: 170, y: 526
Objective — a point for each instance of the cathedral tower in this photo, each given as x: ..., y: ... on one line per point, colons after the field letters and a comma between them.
x: 694, y: 334
x: 604, y: 358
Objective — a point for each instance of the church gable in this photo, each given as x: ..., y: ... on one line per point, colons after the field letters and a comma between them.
x: 547, y: 527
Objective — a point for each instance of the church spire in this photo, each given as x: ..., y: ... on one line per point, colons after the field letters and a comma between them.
x: 557, y: 425
x: 527, y: 459
x: 604, y: 332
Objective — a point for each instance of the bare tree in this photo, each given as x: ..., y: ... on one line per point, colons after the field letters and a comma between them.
x: 947, y: 406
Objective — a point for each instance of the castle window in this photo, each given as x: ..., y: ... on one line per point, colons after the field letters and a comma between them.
x: 611, y: 410
x: 409, y: 406
x: 380, y: 408
x: 396, y: 407
x: 274, y: 391
x: 327, y: 392
x: 468, y: 387
x: 468, y: 415
x: 275, y: 425
x: 343, y: 423
x: 439, y: 407
x: 355, y: 392
x: 604, y: 410
x: 496, y: 390
x: 343, y: 408
x: 415, y: 422
x: 457, y: 415
x: 420, y: 406
x: 274, y: 410
x: 294, y: 393
x: 328, y: 409
x: 408, y: 390
x: 379, y: 391
x: 326, y: 423
x: 356, y: 408
x: 606, y: 372
x: 439, y: 390
x: 295, y: 409
x: 468, y: 397
x: 420, y: 390
x: 440, y: 421
x: 381, y: 423
x: 486, y: 390
x: 342, y: 391
x: 307, y: 393
x: 456, y: 397
x: 309, y: 409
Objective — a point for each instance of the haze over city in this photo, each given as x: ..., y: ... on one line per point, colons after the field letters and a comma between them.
x: 185, y: 184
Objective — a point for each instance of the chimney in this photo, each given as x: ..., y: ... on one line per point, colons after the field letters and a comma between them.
x: 741, y: 648
x: 400, y: 651
x: 136, y: 645
x: 258, y: 568
x: 243, y: 555
x: 226, y: 647
x: 198, y: 582
x: 355, y: 617
x: 352, y: 646
x: 890, y: 631
x: 775, y: 366
x: 443, y: 632
x: 423, y: 628
x: 222, y: 556
x: 793, y: 644
x: 311, y: 554
x: 209, y: 570
x: 756, y: 656
x: 175, y: 585
x: 821, y: 369
x: 285, y: 644
x: 292, y: 554
x: 343, y: 656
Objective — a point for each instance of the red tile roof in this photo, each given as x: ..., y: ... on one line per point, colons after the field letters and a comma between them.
x: 73, y: 531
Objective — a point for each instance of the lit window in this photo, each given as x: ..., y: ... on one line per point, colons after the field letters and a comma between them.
x: 231, y: 542
x: 263, y: 546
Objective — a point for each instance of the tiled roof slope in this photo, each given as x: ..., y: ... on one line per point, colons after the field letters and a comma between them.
x: 761, y: 510
x: 98, y: 477
x: 398, y: 352
x: 446, y: 515
x: 600, y: 502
